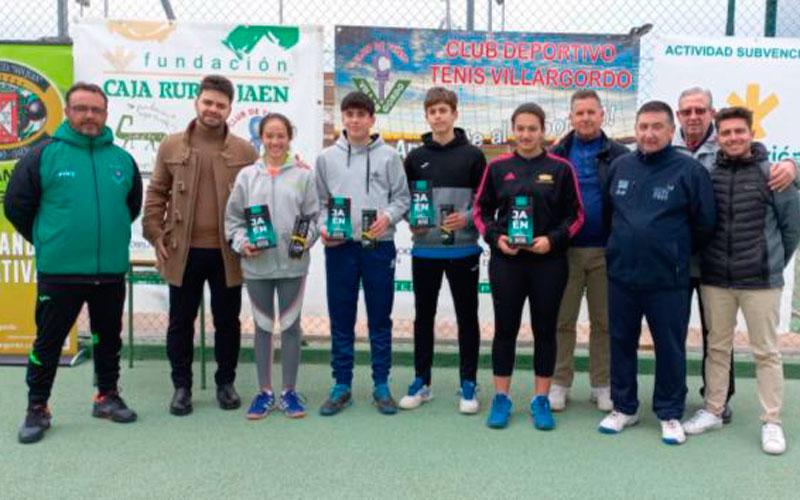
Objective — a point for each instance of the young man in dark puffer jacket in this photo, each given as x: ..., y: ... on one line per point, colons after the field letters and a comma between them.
x: 755, y: 236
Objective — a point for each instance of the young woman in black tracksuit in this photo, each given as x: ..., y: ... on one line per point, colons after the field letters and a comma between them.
x: 537, y: 272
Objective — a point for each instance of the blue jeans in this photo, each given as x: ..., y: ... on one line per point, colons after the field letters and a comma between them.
x: 667, y: 313
x: 347, y: 266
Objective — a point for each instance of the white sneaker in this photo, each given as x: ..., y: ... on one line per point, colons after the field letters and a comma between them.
x: 773, y: 441
x: 558, y: 397
x: 602, y: 397
x: 616, y: 421
x: 672, y: 432
x: 417, y: 394
x: 702, y: 421
x: 468, y: 403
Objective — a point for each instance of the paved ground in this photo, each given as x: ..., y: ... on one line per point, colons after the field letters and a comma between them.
x: 430, y: 453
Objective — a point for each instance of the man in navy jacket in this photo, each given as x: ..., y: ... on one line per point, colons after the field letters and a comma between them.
x: 661, y: 209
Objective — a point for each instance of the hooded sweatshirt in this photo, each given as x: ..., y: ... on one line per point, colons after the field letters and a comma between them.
x: 455, y: 170
x: 371, y: 176
x: 289, y: 193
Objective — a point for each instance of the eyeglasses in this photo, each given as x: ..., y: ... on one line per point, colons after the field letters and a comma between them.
x: 80, y: 108
x: 690, y: 111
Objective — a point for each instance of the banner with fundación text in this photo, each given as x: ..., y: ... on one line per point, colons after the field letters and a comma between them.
x: 151, y: 72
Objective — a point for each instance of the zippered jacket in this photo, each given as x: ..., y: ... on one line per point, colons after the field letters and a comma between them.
x: 74, y: 198
x: 288, y: 194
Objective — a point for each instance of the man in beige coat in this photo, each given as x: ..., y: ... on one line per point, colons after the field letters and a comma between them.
x: 184, y: 220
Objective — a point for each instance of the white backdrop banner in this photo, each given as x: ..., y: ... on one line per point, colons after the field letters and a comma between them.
x: 758, y: 73
x: 151, y: 72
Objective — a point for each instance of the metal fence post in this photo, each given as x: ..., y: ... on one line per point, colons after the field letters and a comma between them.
x: 63, y: 20
x: 730, y: 25
x: 470, y: 15
x: 771, y: 18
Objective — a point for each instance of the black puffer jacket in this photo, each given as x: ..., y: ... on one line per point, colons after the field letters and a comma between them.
x: 757, y: 229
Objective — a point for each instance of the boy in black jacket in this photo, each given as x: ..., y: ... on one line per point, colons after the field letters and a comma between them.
x: 443, y: 175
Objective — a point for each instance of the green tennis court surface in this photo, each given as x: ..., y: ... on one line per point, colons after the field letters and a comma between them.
x: 432, y: 452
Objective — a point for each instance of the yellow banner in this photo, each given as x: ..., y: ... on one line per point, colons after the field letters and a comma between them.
x: 33, y: 79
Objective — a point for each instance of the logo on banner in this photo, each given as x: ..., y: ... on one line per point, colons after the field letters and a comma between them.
x: 30, y: 109
x: 243, y: 39
x: 382, y: 52
x: 154, y: 31
x: 754, y: 103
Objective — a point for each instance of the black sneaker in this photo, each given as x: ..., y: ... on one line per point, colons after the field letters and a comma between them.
x: 727, y: 414
x: 110, y: 406
x: 37, y: 420
x: 181, y: 403
x: 228, y: 398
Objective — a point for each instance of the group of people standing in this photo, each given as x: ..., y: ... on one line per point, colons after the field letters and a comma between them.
x: 636, y: 231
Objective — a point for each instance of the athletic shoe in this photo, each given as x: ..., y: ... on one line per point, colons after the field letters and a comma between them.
x: 500, y: 412
x: 111, y: 406
x: 262, y: 405
x: 702, y: 421
x: 37, y: 421
x: 468, y: 404
x: 418, y: 393
x: 616, y: 421
x: 540, y: 411
x: 383, y: 400
x: 602, y: 397
x: 292, y: 404
x: 672, y: 431
x: 773, y: 441
x: 558, y: 397
x: 338, y: 399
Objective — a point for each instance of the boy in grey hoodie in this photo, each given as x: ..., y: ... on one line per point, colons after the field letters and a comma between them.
x: 361, y: 181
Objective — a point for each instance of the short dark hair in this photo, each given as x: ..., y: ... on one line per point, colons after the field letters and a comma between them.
x: 657, y: 107
x: 584, y: 94
x: 530, y: 108
x: 441, y: 95
x: 734, y: 112
x: 218, y: 83
x: 281, y: 118
x: 86, y: 87
x: 358, y: 100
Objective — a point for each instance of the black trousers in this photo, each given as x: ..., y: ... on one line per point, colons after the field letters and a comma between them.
x: 226, y: 302
x: 542, y: 282
x: 695, y: 288
x: 462, y: 276
x: 57, y: 308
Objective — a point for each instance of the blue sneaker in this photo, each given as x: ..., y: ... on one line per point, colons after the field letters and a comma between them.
x: 292, y: 405
x: 468, y: 404
x: 382, y: 398
x: 542, y: 416
x: 338, y: 399
x: 418, y: 393
x: 500, y: 412
x: 262, y: 405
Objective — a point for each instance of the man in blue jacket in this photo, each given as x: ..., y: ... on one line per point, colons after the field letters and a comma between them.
x: 661, y: 208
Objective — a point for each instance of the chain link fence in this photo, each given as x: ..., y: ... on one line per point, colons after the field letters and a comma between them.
x: 50, y: 21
